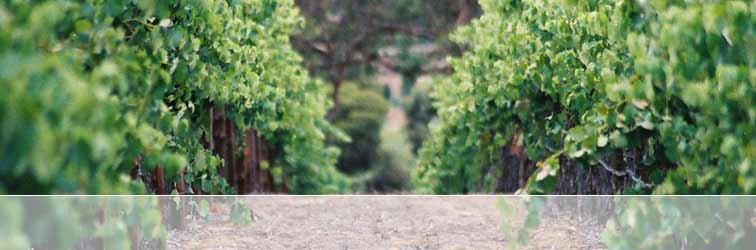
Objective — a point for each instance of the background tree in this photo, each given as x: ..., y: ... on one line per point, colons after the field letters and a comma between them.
x: 346, y: 39
x: 361, y: 118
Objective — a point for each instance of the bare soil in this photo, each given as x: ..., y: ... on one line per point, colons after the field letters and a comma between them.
x: 372, y: 222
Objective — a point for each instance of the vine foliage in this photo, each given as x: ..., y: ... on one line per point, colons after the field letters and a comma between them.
x: 103, y: 97
x: 94, y: 89
x: 659, y: 93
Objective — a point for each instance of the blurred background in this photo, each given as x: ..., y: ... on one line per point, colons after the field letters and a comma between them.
x: 379, y: 59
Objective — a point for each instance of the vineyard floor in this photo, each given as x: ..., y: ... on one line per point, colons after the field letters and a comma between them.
x: 372, y: 222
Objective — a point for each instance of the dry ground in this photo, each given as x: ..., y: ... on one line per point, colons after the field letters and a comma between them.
x: 371, y: 222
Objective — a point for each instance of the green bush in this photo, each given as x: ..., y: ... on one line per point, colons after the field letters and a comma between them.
x: 391, y: 171
x: 361, y: 117
x: 585, y: 80
x: 420, y: 111
x: 90, y: 87
x: 408, y: 64
x: 681, y: 222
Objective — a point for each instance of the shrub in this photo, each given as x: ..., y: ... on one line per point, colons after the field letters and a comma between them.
x: 391, y: 171
x: 92, y: 89
x: 420, y: 111
x: 627, y: 88
x: 361, y: 117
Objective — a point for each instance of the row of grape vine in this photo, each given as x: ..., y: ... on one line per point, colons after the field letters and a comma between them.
x: 164, y: 97
x: 607, y: 97
x: 659, y: 94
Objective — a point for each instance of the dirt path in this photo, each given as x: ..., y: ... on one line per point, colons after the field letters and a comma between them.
x: 395, y: 120
x: 368, y: 222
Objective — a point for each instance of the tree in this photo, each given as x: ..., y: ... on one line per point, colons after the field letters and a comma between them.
x: 361, y: 117
x: 344, y: 38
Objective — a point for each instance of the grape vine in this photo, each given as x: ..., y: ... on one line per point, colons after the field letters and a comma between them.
x: 92, y: 89
x: 660, y: 93
x: 588, y: 82
x: 96, y: 94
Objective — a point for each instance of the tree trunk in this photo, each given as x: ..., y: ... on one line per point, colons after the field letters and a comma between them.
x: 572, y: 178
x: 465, y: 12
x: 334, y: 112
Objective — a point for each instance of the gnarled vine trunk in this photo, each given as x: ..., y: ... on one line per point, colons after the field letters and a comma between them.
x: 243, y: 155
x: 572, y: 179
